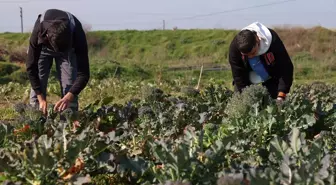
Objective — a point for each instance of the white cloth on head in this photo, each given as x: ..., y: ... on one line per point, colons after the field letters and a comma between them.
x: 264, y: 35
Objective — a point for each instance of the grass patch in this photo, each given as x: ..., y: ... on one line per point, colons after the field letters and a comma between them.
x: 7, y: 113
x: 7, y: 68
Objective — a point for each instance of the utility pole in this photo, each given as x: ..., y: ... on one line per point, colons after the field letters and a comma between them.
x: 163, y: 24
x: 21, y: 15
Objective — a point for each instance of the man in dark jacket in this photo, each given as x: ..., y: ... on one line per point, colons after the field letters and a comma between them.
x: 257, y: 55
x: 57, y: 35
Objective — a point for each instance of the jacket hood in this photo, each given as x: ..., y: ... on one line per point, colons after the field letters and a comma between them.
x: 264, y: 35
x: 42, y: 38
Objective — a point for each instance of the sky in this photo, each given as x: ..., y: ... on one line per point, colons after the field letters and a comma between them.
x: 183, y: 14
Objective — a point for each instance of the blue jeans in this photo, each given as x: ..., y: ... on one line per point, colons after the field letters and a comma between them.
x: 66, y: 67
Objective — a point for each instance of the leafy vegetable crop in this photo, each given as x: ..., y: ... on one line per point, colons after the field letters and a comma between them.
x: 212, y: 136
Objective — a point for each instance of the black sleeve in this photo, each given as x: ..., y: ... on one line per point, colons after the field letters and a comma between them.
x: 286, y: 66
x: 239, y: 71
x: 81, y: 51
x: 34, y: 51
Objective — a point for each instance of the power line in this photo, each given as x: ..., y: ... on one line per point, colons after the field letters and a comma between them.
x: 126, y: 23
x: 196, y: 16
x: 232, y: 10
x: 163, y: 23
x: 150, y: 14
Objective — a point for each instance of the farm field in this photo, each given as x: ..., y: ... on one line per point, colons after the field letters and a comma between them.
x: 164, y: 58
x: 206, y: 137
x: 141, y: 120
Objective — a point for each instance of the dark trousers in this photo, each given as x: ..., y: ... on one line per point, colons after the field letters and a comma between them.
x: 66, y: 68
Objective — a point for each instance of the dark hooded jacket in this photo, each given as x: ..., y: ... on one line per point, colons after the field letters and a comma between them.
x: 38, y: 40
x: 275, y: 60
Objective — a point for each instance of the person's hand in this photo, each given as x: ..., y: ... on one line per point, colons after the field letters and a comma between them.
x: 279, y: 103
x: 42, y: 104
x: 280, y: 99
x: 64, y: 103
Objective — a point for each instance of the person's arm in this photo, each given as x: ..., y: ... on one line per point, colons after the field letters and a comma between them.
x: 34, y: 51
x: 286, y: 67
x: 82, y: 59
x: 239, y: 71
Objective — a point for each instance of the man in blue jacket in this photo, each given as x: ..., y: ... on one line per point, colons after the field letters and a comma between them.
x: 257, y: 55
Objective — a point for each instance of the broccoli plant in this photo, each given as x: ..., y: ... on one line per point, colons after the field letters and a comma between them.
x: 241, y: 104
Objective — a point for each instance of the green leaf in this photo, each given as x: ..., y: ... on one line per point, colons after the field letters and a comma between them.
x: 106, y: 100
x: 309, y: 119
x: 270, y: 109
x: 323, y: 172
x: 203, y: 117
x: 45, y: 141
x: 81, y: 180
x: 295, y: 140
x: 279, y: 152
x: 137, y: 165
x: 285, y: 170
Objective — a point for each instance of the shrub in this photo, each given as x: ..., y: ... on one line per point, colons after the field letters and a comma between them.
x: 94, y: 41
x: 19, y: 76
x: 3, y: 53
x: 7, y: 68
x: 18, y: 55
